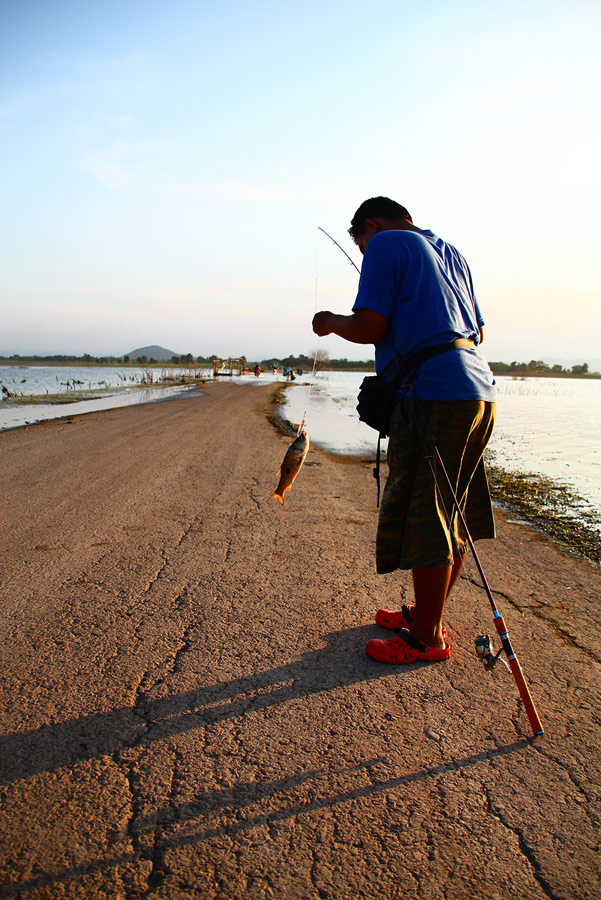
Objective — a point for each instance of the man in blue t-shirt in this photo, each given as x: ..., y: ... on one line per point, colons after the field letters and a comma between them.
x: 416, y: 303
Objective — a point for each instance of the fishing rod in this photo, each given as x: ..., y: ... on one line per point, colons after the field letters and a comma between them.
x: 352, y: 262
x: 483, y: 642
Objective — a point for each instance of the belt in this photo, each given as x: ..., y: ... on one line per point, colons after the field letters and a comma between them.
x: 413, y: 361
x: 464, y: 344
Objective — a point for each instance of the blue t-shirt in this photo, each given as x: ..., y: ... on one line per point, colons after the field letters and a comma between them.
x: 423, y: 286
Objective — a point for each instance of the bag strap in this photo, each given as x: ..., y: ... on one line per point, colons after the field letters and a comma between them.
x: 408, y: 365
x: 376, y: 470
x: 412, y: 361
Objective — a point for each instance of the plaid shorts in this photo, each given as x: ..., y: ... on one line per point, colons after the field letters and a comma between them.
x: 418, y: 524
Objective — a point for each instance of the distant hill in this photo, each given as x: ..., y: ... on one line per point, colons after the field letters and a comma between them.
x: 154, y: 352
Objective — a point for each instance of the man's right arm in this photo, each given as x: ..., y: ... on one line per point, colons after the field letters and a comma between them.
x: 364, y: 326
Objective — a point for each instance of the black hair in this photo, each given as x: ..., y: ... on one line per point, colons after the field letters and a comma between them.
x: 376, y: 207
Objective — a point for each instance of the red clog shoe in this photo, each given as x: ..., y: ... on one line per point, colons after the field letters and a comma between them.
x: 388, y: 618
x: 405, y: 649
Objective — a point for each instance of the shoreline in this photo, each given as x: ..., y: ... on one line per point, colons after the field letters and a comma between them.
x: 546, y: 506
x: 128, y: 398
x: 79, y: 396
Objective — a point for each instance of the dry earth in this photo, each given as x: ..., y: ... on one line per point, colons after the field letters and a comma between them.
x: 187, y: 710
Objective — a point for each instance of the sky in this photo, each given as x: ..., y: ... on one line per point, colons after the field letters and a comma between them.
x: 165, y: 167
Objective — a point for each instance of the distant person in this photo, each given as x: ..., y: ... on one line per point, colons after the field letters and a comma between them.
x: 257, y: 370
x: 416, y: 300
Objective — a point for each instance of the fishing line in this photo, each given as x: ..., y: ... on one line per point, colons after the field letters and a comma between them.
x: 303, y: 423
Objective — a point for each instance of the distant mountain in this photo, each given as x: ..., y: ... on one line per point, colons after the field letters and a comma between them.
x: 154, y: 352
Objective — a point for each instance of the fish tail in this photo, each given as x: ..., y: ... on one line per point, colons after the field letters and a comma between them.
x: 280, y: 497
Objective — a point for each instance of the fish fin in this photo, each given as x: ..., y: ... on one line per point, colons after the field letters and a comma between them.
x: 280, y: 497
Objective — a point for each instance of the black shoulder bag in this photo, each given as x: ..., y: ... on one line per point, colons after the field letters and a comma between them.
x: 375, y: 404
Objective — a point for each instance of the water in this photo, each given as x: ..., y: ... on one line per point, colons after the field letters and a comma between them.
x: 29, y: 380
x: 545, y: 426
x: 551, y: 426
x: 332, y: 420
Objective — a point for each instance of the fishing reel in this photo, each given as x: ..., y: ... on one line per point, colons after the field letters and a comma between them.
x: 484, y: 652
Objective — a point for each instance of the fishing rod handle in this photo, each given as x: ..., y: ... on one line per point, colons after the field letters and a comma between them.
x: 516, y: 671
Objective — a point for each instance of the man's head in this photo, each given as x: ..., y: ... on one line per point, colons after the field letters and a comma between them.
x: 377, y: 214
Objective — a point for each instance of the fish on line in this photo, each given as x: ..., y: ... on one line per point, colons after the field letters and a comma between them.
x: 291, y: 466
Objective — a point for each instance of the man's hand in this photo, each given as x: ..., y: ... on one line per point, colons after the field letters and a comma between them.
x: 322, y: 323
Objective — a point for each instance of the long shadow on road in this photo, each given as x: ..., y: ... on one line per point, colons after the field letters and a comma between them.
x: 339, y: 663
x: 216, y: 812
x: 230, y: 812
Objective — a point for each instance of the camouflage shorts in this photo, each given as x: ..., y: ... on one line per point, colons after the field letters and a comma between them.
x: 418, y: 524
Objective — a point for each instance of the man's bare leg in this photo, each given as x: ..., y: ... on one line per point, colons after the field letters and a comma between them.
x: 432, y: 585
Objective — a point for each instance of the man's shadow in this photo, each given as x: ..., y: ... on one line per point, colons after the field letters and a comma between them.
x: 340, y: 662
x: 216, y: 811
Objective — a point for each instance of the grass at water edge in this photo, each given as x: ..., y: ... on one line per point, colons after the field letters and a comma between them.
x: 550, y: 507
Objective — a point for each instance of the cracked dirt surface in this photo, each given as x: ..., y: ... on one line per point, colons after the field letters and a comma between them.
x: 187, y: 710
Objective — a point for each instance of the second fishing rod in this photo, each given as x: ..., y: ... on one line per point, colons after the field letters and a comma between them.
x: 437, y: 465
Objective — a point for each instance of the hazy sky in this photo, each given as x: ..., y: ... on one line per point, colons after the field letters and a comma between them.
x: 165, y: 166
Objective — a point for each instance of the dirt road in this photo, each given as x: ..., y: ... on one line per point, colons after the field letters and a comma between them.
x: 187, y: 710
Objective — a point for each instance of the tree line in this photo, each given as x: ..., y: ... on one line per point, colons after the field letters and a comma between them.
x: 536, y: 367
x: 540, y: 368
x: 186, y: 359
